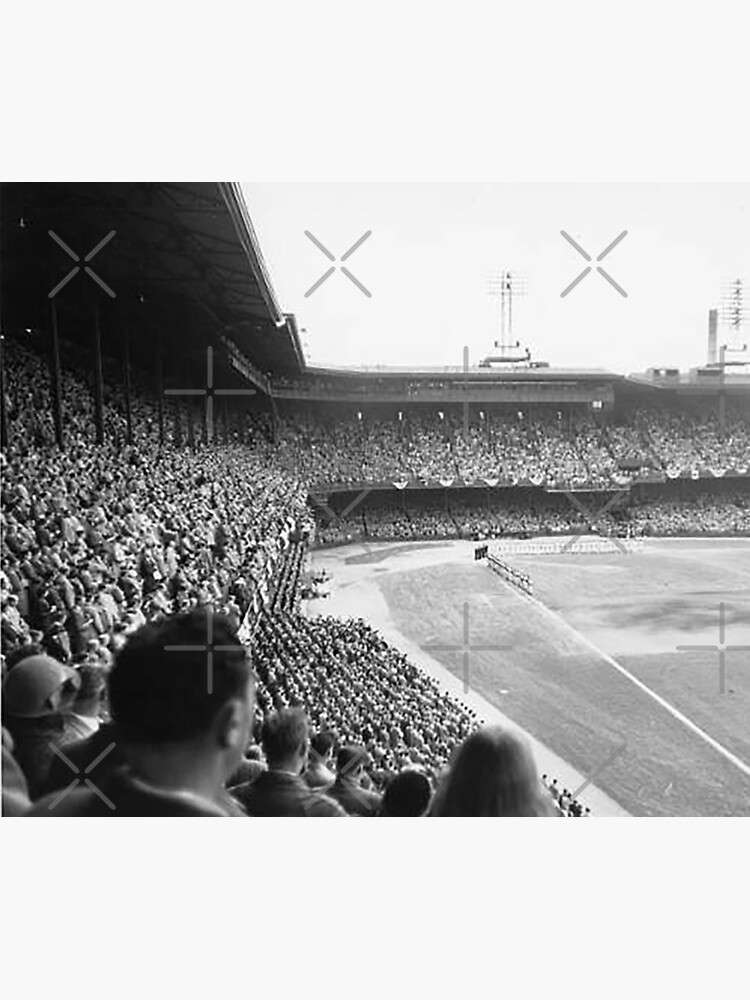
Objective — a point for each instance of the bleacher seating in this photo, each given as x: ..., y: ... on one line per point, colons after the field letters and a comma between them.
x: 98, y: 539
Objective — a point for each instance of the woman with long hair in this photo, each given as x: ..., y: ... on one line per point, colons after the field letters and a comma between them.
x: 492, y: 774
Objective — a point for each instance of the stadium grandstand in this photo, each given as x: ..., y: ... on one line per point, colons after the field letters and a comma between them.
x: 175, y: 473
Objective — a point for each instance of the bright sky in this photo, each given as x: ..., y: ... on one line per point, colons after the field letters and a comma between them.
x: 433, y: 246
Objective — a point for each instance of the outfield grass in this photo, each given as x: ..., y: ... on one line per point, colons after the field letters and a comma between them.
x: 636, y: 608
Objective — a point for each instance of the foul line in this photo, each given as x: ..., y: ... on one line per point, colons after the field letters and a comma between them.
x: 675, y: 712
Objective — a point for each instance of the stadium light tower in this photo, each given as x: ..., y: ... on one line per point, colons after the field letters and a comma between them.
x: 506, y: 286
x: 734, y: 314
x: 734, y: 310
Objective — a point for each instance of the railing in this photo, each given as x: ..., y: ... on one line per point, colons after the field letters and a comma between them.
x: 522, y: 581
x: 568, y: 545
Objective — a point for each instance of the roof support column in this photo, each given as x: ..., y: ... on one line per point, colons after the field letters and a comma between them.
x: 3, y: 403
x: 274, y: 420
x: 160, y: 385
x: 225, y: 420
x: 190, y: 426
x: 98, y: 378
x: 55, y: 378
x: 126, y: 377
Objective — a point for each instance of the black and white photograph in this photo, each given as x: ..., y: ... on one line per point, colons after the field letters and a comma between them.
x: 374, y: 445
x: 349, y: 521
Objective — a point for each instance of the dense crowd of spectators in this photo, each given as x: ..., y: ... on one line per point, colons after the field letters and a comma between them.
x: 666, y: 509
x: 99, y: 539
x: 109, y: 549
x: 546, y: 446
x: 322, y: 720
x: 106, y: 546
x: 352, y: 682
x: 720, y: 513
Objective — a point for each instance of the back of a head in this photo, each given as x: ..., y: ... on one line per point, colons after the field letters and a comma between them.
x: 93, y: 684
x: 408, y: 794
x: 285, y: 735
x: 321, y: 745
x: 165, y: 688
x: 350, y: 760
x: 493, y: 774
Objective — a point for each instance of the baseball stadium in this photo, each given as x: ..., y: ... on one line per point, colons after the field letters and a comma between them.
x: 421, y: 567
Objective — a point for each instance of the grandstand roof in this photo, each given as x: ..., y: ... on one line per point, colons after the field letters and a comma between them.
x: 187, y: 252
x: 697, y: 381
x: 456, y: 371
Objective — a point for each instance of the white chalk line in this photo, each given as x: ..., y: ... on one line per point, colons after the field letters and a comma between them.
x: 674, y: 712
x: 603, y: 804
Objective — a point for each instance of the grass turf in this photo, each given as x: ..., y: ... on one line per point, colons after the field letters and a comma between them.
x: 636, y: 608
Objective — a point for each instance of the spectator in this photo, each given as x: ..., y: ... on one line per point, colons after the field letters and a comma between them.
x: 408, y: 794
x: 318, y: 773
x: 16, y: 801
x: 492, y: 774
x: 84, y: 717
x: 250, y: 767
x: 103, y: 749
x: 281, y: 791
x: 101, y: 538
x: 348, y: 789
x: 349, y: 680
x: 37, y: 695
x: 183, y: 733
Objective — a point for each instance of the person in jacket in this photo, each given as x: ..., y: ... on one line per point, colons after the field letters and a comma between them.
x: 182, y: 720
x: 281, y: 790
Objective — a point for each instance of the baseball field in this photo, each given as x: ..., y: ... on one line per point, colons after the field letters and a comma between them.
x: 592, y: 666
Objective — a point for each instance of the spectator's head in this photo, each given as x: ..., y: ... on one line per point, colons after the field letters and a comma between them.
x: 38, y: 686
x: 92, y: 690
x: 492, y: 774
x: 171, y: 701
x: 408, y: 794
x: 351, y: 761
x: 285, y: 739
x: 321, y: 748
